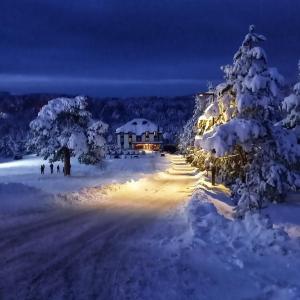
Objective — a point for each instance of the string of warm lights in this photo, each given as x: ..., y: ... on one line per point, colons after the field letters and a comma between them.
x: 231, y: 165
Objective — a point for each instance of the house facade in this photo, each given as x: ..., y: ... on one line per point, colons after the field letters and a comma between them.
x: 139, y: 134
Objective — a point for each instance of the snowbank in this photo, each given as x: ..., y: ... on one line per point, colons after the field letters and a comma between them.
x: 23, y: 188
x: 241, y: 259
x: 253, y: 233
x: 287, y: 215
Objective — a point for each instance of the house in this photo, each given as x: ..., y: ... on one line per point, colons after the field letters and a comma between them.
x: 139, y: 134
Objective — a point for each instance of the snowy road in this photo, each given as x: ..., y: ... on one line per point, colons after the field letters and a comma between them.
x: 144, y: 239
x: 110, y: 247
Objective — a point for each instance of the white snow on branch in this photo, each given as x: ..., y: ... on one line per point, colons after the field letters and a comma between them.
x: 223, y: 138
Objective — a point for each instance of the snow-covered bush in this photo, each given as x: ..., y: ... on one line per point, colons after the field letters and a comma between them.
x: 244, y: 118
x: 64, y: 127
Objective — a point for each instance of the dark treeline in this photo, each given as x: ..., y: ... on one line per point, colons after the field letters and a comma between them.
x: 16, y: 112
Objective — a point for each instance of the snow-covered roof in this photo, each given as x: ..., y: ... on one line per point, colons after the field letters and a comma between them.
x: 138, y: 127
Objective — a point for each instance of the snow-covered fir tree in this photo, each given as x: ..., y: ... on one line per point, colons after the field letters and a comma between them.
x: 219, y: 109
x: 241, y: 128
x: 11, y: 140
x: 64, y: 128
x: 291, y: 105
x: 187, y: 137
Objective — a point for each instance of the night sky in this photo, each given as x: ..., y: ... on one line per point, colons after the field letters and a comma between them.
x: 136, y: 47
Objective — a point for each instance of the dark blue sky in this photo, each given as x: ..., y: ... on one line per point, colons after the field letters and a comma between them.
x: 136, y: 47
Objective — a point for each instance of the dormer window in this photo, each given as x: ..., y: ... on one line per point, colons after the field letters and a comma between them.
x: 144, y: 122
x: 134, y: 123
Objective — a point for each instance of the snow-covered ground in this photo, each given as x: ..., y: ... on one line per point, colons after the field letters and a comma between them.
x: 145, y: 235
x: 286, y: 215
x: 244, y: 259
x: 23, y: 188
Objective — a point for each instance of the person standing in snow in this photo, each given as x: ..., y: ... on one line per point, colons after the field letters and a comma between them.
x: 42, y: 169
x: 57, y: 169
x: 51, y: 168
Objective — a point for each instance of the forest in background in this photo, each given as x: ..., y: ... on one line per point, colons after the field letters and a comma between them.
x: 17, y: 111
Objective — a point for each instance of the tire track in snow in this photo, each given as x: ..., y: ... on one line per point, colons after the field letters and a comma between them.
x: 17, y: 236
x: 94, y: 239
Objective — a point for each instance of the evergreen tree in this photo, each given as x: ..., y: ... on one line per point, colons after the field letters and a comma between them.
x: 64, y: 128
x: 291, y: 105
x: 248, y: 110
x: 187, y: 137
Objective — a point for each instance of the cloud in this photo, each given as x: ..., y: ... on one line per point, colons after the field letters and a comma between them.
x: 64, y: 80
x: 21, y: 83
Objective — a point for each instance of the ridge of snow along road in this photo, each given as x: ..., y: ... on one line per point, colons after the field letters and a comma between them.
x: 241, y: 253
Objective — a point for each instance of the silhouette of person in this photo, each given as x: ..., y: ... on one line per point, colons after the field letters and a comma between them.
x: 42, y: 169
x: 51, y: 168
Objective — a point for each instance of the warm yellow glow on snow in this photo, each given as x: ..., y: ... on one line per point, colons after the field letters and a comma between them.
x: 153, y: 194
